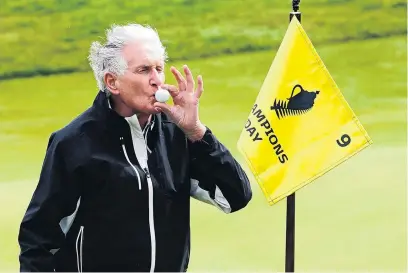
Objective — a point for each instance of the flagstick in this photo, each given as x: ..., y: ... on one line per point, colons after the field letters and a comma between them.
x: 290, y: 234
x: 290, y: 209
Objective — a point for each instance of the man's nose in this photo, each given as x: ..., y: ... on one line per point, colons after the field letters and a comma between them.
x: 157, y: 78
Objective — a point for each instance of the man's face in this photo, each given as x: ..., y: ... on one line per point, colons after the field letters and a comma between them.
x: 142, y: 78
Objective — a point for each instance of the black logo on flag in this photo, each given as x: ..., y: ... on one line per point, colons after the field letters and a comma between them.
x: 299, y: 104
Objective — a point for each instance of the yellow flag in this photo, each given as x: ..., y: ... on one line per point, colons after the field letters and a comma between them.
x: 300, y: 126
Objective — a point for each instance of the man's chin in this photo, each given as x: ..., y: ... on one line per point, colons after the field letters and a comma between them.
x: 156, y: 111
x: 149, y: 110
x: 152, y: 110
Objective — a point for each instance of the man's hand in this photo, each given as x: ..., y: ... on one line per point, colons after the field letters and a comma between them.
x: 184, y: 112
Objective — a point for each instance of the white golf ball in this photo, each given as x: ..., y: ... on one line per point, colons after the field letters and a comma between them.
x: 162, y: 95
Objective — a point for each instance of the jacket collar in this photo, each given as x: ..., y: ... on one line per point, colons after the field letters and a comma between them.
x: 103, y: 107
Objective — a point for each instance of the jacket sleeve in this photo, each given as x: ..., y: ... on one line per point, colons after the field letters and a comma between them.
x: 216, y: 177
x: 55, y: 197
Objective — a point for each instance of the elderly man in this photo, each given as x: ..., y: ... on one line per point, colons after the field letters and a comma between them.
x: 115, y: 187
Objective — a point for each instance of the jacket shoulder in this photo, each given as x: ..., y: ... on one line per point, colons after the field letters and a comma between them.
x: 71, y: 141
x: 77, y: 127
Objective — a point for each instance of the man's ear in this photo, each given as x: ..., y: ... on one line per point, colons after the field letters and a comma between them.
x: 111, y: 83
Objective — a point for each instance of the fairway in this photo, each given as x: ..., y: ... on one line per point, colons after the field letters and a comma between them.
x: 351, y: 219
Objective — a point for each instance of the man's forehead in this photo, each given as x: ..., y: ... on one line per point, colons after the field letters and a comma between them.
x: 145, y: 61
x: 137, y: 54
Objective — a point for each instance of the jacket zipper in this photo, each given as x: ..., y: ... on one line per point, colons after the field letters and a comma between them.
x: 150, y: 194
x: 151, y: 220
x: 130, y: 163
x: 150, y: 190
x: 79, y: 251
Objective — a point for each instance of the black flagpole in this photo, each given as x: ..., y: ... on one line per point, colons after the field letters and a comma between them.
x: 290, y: 210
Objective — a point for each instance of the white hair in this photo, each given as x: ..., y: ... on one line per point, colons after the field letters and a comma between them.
x: 109, y: 58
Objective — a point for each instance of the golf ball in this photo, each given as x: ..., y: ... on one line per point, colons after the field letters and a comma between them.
x: 162, y: 95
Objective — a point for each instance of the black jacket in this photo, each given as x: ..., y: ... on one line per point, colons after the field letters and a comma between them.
x: 101, y: 206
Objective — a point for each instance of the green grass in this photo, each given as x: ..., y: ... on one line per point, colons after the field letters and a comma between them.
x: 351, y: 219
x: 41, y: 37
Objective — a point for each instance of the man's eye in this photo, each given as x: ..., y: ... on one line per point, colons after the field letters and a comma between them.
x: 143, y: 70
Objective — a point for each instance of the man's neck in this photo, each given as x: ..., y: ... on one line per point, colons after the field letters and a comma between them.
x: 143, y: 119
x: 127, y: 112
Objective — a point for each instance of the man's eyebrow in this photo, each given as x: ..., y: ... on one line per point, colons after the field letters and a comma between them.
x: 146, y: 66
x: 142, y: 66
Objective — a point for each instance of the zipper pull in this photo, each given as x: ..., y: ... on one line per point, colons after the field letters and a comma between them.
x: 146, y: 172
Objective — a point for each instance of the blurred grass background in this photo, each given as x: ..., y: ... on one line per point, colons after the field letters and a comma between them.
x: 351, y: 219
x: 55, y: 34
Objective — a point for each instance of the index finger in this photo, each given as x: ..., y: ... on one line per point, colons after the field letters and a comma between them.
x: 171, y: 88
x: 179, y: 78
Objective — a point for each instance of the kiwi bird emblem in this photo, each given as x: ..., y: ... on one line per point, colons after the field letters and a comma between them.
x: 299, y: 104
